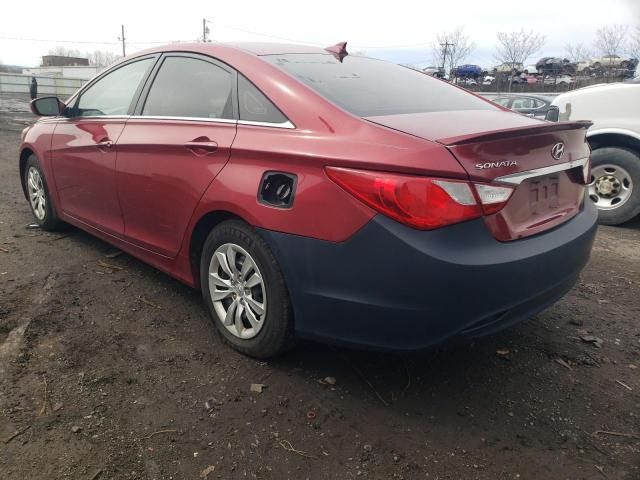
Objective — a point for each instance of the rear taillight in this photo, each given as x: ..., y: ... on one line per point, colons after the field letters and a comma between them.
x: 421, y: 202
x: 492, y: 197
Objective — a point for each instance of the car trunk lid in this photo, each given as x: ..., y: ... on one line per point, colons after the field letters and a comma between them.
x: 545, y: 163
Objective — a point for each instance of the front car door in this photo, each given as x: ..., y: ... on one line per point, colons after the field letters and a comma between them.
x: 172, y: 148
x: 85, y: 143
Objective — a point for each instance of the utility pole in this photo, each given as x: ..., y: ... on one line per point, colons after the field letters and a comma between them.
x: 446, y: 46
x: 121, y: 38
x: 205, y: 30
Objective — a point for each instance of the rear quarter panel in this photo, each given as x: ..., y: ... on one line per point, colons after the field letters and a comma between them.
x: 321, y: 209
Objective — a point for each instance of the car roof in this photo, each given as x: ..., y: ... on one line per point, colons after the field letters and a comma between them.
x: 268, y: 48
x: 254, y: 48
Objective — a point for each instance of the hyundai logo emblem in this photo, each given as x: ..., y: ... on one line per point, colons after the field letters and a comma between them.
x: 557, y: 151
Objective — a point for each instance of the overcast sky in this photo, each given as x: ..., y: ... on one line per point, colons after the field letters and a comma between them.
x: 399, y: 30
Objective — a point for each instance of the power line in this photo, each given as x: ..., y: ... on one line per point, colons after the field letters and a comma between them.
x: 252, y: 32
x: 85, y: 42
x: 208, y: 38
x: 57, y: 41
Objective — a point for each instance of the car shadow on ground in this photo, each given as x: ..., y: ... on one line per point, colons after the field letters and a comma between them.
x: 461, y: 374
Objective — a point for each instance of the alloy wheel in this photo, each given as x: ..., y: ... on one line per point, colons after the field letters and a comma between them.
x: 610, y: 187
x: 37, y: 194
x: 237, y: 291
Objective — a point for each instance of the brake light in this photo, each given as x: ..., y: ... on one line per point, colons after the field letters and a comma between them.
x: 420, y: 202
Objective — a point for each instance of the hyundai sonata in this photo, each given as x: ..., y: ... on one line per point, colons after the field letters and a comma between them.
x: 312, y: 193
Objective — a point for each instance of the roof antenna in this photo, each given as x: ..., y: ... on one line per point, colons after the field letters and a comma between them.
x: 339, y: 50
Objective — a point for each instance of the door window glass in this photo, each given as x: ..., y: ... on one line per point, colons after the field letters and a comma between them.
x: 113, y: 94
x: 190, y: 87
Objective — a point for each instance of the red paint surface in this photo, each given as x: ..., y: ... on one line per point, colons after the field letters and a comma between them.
x: 84, y: 172
x: 161, y: 178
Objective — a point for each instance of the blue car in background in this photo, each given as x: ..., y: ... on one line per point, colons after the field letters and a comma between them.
x: 470, y: 71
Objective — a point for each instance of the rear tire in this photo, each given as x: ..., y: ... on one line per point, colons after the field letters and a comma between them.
x: 622, y: 166
x: 257, y: 332
x: 42, y: 208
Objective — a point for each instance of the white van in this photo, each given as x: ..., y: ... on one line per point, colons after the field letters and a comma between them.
x: 614, y: 138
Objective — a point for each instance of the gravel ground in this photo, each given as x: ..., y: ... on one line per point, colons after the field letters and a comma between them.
x: 110, y: 369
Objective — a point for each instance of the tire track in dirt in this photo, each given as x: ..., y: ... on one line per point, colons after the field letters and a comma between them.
x: 10, y: 348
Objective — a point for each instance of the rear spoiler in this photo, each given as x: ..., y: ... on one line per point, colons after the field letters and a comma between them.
x: 543, y: 127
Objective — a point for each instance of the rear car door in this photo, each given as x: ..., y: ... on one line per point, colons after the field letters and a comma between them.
x: 174, y: 145
x: 85, y: 143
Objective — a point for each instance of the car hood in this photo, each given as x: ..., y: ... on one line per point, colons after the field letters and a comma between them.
x: 450, y: 126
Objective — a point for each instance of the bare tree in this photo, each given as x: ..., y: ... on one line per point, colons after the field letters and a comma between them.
x: 451, y: 48
x: 634, y: 44
x: 610, y: 39
x: 515, y: 47
x: 101, y: 58
x: 577, y: 52
x: 97, y: 58
x: 65, y: 52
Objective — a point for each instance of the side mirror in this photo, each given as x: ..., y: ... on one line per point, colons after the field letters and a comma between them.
x: 47, y: 106
x: 552, y: 114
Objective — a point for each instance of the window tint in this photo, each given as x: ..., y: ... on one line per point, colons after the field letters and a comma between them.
x: 368, y: 87
x: 190, y: 87
x: 113, y: 94
x: 526, y: 103
x: 254, y: 106
x: 501, y: 101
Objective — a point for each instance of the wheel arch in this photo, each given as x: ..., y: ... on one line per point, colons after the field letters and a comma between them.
x: 203, y: 226
x: 614, y: 138
x: 24, y: 156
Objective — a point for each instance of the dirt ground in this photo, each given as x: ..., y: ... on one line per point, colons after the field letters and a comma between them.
x: 110, y: 369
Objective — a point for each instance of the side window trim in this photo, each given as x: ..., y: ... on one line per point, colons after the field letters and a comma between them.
x: 144, y: 94
x: 69, y: 109
x: 286, y: 124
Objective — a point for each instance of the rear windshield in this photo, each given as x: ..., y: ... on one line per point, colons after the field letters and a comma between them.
x: 368, y: 87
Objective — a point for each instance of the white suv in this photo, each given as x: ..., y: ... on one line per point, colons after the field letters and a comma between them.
x: 614, y: 137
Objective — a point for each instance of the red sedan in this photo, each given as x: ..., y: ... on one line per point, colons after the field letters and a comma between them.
x: 311, y: 193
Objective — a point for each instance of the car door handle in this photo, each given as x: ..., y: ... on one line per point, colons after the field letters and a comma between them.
x: 201, y: 148
x: 105, y: 144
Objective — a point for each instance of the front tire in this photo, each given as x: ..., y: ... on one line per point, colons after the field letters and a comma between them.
x: 35, y: 186
x: 245, y: 291
x: 615, y: 184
